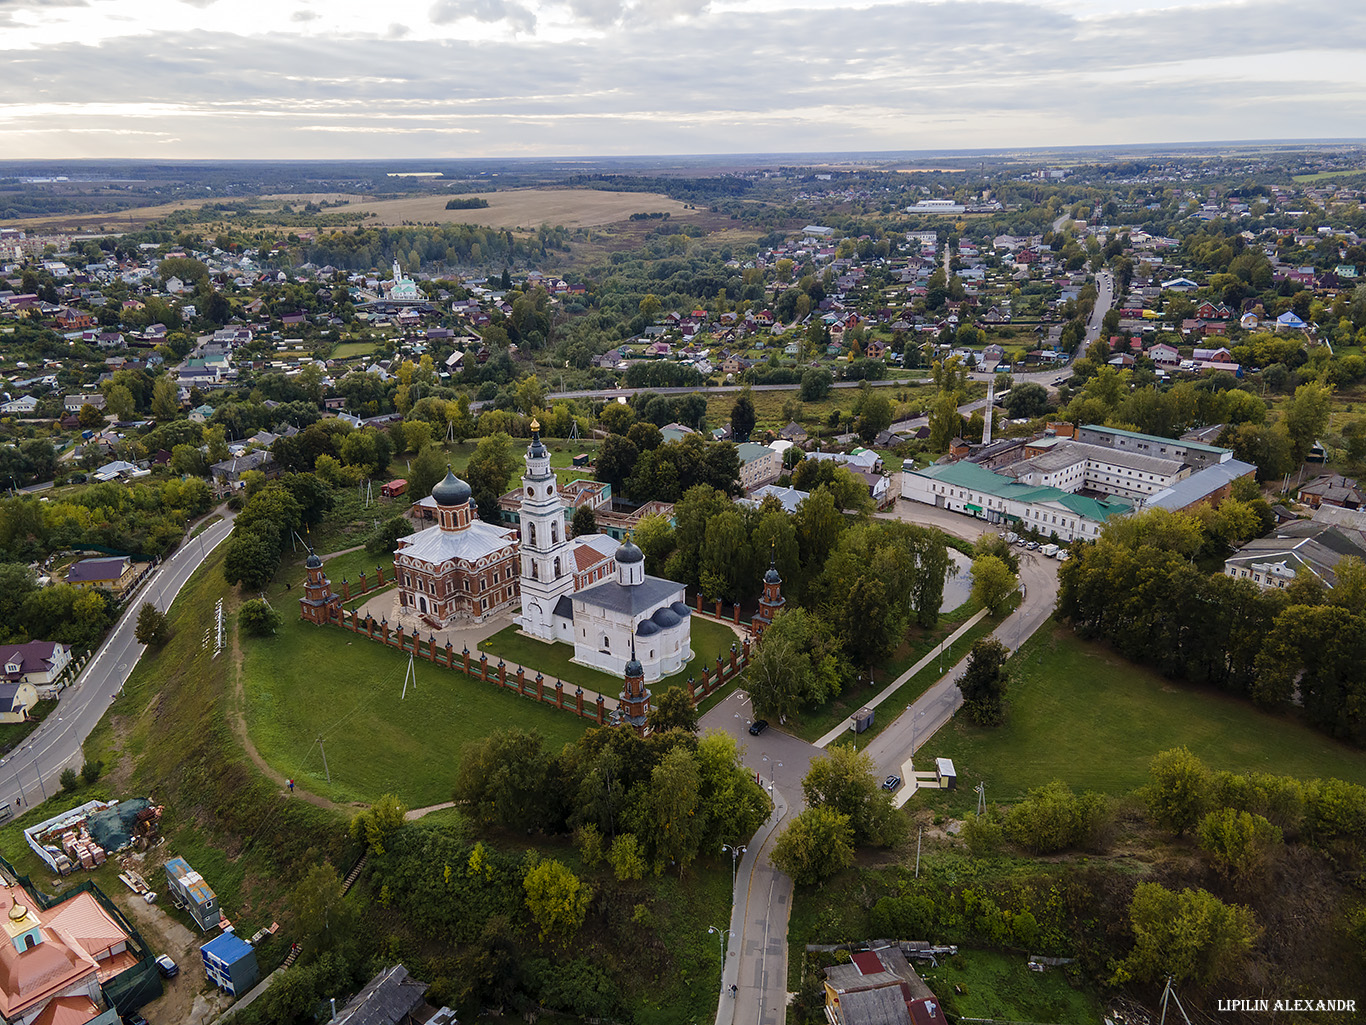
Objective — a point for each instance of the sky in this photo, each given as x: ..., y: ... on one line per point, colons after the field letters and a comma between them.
x: 257, y: 79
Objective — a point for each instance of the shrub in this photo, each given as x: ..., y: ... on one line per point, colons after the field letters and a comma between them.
x: 90, y: 771
x: 70, y: 781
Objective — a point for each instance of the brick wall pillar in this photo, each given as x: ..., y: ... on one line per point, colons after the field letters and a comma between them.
x: 602, y: 710
x: 732, y: 658
x: 483, y: 665
x: 746, y: 651
x: 578, y: 700
x: 706, y: 680
x: 502, y: 673
x: 467, y: 661
x: 718, y: 608
x: 692, y: 688
x: 398, y: 636
x: 450, y: 655
x: 346, y: 589
x: 737, y: 615
x: 559, y: 693
x: 540, y: 687
x: 699, y: 601
x: 521, y: 679
x: 384, y: 629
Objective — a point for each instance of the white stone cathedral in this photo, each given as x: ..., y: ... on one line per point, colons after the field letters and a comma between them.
x: 590, y: 591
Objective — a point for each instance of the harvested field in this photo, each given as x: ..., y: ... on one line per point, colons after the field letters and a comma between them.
x: 525, y: 208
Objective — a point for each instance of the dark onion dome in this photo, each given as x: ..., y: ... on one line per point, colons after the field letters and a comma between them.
x: 313, y: 562
x: 771, y: 577
x: 646, y: 629
x: 451, y: 491
x: 665, y: 618
x: 680, y: 610
x: 633, y: 667
x: 629, y: 553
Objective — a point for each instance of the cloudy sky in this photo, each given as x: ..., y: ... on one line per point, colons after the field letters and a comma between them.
x: 474, y: 78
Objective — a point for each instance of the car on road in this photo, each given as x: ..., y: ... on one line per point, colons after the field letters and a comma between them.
x: 757, y: 726
x: 168, y: 968
x: 134, y: 1019
x: 891, y: 783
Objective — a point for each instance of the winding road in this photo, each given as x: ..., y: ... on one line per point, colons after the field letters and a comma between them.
x: 756, y: 949
x: 29, y: 773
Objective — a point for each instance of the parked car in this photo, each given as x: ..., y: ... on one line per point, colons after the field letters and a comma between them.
x: 134, y: 1019
x: 1064, y: 555
x: 891, y: 783
x: 757, y: 726
x: 1033, y: 546
x: 168, y: 968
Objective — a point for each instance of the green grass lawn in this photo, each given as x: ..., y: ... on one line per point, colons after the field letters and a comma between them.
x: 709, y: 639
x: 1000, y: 986
x: 348, y: 350
x: 313, y: 681
x: 1080, y: 713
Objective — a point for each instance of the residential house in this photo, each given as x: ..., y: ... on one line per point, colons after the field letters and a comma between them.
x: 1333, y: 489
x: 879, y: 987
x: 1288, y: 321
x: 788, y: 498
x: 38, y: 663
x: 793, y: 432
x: 229, y: 963
x: 393, y: 997
x: 114, y: 574
x: 759, y: 465
x: 73, y: 403
x: 1309, y: 545
x: 1165, y: 356
x: 231, y: 470
x: 16, y: 699
x: 24, y: 405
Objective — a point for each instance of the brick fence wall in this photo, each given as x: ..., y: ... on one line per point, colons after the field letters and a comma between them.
x: 552, y: 693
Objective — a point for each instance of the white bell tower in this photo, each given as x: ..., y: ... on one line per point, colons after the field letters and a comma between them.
x: 547, y: 557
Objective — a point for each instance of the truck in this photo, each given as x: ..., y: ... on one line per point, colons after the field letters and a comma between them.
x: 1049, y: 550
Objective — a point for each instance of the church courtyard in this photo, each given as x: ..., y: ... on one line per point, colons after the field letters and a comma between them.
x: 709, y: 639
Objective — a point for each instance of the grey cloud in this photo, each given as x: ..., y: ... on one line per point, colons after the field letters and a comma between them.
x: 446, y: 11
x: 888, y: 77
x: 597, y: 12
x: 396, y: 31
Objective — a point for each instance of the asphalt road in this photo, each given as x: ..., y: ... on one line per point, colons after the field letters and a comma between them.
x: 1105, y: 298
x: 29, y: 773
x: 894, y: 746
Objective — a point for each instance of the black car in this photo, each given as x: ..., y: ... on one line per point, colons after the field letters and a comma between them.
x: 757, y: 726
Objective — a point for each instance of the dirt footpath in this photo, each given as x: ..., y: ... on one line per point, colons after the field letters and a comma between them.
x: 188, y: 998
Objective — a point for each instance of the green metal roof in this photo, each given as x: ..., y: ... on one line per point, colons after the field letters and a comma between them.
x: 979, y: 478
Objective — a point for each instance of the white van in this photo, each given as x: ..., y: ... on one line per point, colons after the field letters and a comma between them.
x: 1049, y: 550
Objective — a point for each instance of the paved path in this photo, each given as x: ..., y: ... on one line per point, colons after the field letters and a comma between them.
x: 892, y: 749
x: 891, y: 688
x: 29, y: 772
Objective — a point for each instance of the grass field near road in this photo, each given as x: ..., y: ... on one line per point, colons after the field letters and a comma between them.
x: 1080, y: 713
x: 709, y: 639
x: 346, y: 350
x: 1001, y: 986
x: 309, y: 681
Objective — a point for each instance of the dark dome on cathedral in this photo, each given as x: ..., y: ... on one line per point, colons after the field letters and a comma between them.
x: 629, y: 553
x: 771, y: 577
x: 680, y: 610
x: 665, y: 618
x: 313, y: 562
x: 634, y: 668
x: 451, y: 491
x: 646, y: 629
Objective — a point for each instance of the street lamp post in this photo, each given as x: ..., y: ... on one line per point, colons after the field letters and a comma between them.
x: 735, y: 852
x: 721, y: 935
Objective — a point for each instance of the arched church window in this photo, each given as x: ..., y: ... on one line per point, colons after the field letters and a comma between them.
x: 535, y: 575
x: 605, y: 642
x: 557, y: 569
x: 532, y: 529
x: 554, y: 533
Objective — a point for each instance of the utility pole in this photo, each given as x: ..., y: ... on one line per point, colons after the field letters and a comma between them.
x: 326, y: 770
x: 39, y: 773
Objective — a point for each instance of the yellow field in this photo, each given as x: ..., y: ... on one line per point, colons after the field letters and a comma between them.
x: 516, y: 208
x: 522, y: 208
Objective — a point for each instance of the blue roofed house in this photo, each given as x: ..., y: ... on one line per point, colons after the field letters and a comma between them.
x: 189, y: 889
